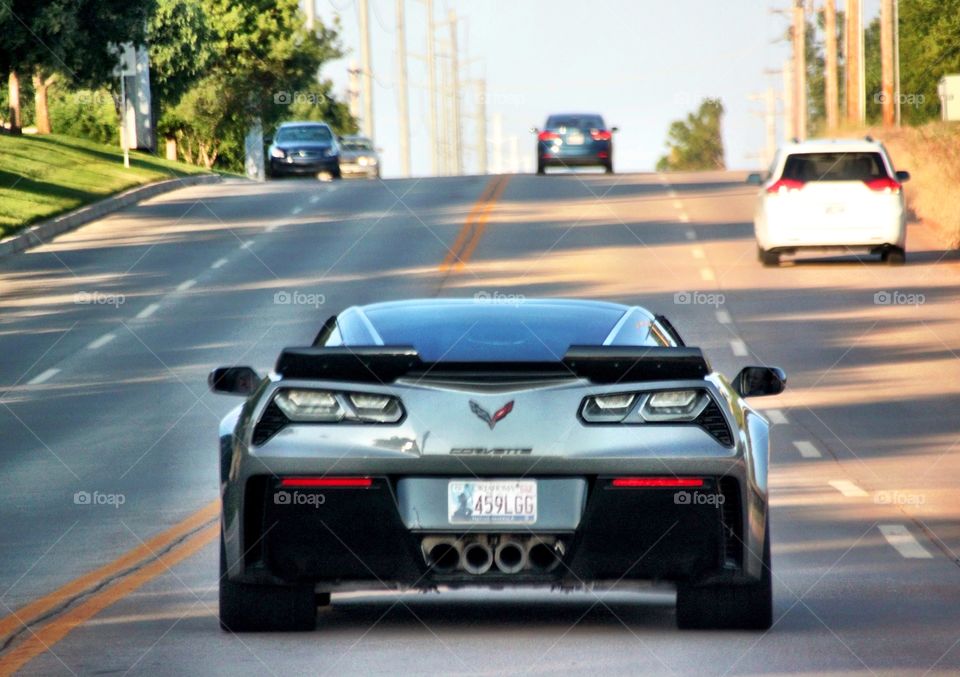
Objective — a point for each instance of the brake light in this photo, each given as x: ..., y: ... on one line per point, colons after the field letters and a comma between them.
x: 786, y: 186
x: 600, y: 135
x: 326, y: 482
x: 548, y: 136
x: 884, y: 185
x: 656, y: 482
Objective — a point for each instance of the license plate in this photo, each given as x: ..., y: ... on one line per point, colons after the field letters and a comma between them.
x: 492, y: 501
x: 575, y: 139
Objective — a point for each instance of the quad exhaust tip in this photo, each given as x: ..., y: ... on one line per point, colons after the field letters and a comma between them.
x: 444, y: 556
x: 477, y: 557
x: 510, y: 557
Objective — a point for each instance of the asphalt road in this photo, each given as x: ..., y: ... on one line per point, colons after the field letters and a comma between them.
x: 108, y: 451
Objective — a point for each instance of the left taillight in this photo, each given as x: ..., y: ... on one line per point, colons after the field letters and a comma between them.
x: 305, y: 405
x: 548, y: 136
x: 884, y: 184
x: 601, y: 134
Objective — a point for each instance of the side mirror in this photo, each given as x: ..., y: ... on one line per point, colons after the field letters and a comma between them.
x: 534, y: 130
x: 760, y: 381
x: 614, y: 129
x: 755, y: 179
x: 233, y: 380
x: 903, y: 177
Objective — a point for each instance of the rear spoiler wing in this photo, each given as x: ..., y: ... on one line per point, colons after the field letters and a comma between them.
x: 598, y: 364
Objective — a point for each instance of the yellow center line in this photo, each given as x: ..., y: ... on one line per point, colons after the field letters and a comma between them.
x: 145, y: 551
x: 472, y: 230
x: 52, y: 632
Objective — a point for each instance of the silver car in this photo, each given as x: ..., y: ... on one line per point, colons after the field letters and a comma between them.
x: 559, y: 443
x: 359, y: 157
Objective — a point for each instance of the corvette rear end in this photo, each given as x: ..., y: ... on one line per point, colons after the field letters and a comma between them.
x: 528, y: 453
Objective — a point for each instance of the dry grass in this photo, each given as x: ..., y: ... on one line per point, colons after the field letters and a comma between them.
x: 931, y: 154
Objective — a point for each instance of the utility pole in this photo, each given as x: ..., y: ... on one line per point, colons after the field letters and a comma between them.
x: 789, y: 131
x: 456, y: 131
x: 404, y: 101
x: 497, y: 142
x: 887, y: 62
x: 896, y: 57
x: 353, y: 94
x: 481, y: 126
x: 831, y: 92
x: 432, y: 85
x: 799, y: 35
x: 853, y: 50
x: 366, y: 67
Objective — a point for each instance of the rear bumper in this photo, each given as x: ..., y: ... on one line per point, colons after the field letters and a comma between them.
x: 284, y: 168
x: 780, y: 228
x: 334, y: 538
x: 591, y: 154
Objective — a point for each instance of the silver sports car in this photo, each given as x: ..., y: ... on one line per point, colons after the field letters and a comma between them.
x: 447, y: 443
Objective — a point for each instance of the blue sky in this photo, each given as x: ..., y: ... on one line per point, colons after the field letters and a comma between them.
x: 640, y: 63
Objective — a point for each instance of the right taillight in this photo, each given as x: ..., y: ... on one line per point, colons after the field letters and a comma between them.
x: 884, y: 185
x: 786, y: 186
x: 548, y: 136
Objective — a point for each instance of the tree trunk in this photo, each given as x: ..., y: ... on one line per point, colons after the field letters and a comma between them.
x: 14, y: 87
x: 41, y: 86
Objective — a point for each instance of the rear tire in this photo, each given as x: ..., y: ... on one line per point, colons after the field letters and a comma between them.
x: 729, y: 606
x: 265, y: 608
x: 540, y: 168
x: 895, y: 256
x: 767, y: 258
x: 608, y: 168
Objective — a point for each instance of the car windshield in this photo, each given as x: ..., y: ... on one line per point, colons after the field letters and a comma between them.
x: 834, y: 167
x: 354, y: 144
x: 312, y: 133
x: 510, y: 334
x: 575, y: 122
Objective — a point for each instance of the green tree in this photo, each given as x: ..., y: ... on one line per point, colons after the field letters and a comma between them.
x: 929, y: 49
x: 697, y: 142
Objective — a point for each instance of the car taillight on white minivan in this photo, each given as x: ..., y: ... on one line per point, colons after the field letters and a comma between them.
x: 786, y: 186
x: 884, y: 185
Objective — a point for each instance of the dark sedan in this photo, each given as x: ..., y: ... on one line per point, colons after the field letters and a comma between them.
x: 575, y: 140
x: 300, y: 148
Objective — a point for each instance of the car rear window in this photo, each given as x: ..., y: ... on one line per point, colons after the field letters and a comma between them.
x: 575, y: 121
x: 350, y: 144
x: 492, y: 333
x: 834, y: 167
x: 304, y: 133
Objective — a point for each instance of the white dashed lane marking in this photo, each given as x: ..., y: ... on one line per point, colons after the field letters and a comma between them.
x: 776, y: 416
x: 247, y: 244
x: 691, y: 235
x: 314, y: 199
x: 698, y: 253
x: 904, y: 542
x: 102, y: 341
x: 723, y: 317
x: 848, y: 488
x: 219, y: 263
x: 806, y: 449
x: 707, y: 274
x: 43, y: 377
x: 684, y: 218
x: 184, y: 286
x: 739, y: 348
x: 296, y: 210
x: 148, y: 311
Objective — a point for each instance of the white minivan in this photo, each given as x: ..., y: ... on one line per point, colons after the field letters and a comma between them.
x: 839, y: 194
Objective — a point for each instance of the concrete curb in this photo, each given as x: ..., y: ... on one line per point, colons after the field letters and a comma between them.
x: 42, y: 232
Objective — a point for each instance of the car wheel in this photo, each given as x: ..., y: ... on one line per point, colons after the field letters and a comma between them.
x: 895, y: 256
x: 729, y: 606
x: 541, y: 169
x: 608, y: 168
x: 265, y: 608
x: 769, y: 259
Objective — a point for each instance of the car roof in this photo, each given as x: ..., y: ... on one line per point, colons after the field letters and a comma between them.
x: 304, y: 123
x: 834, y: 146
